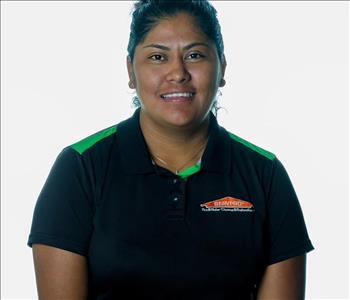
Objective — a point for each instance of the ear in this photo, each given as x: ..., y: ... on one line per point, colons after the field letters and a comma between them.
x: 132, y: 81
x: 223, y: 69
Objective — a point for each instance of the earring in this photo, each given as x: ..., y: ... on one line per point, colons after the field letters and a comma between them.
x: 222, y: 82
x: 131, y: 84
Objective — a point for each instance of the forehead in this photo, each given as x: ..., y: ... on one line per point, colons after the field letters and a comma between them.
x: 179, y: 28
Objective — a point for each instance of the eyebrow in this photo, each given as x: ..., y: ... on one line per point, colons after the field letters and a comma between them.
x: 189, y: 46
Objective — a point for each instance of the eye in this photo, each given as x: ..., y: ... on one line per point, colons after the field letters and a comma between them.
x: 157, y: 57
x: 195, y: 56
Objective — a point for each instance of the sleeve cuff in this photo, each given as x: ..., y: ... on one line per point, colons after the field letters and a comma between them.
x: 296, y: 251
x: 56, y: 242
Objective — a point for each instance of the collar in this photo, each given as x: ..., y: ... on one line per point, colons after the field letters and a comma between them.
x: 136, y: 159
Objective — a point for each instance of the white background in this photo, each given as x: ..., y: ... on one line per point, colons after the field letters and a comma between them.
x: 64, y: 77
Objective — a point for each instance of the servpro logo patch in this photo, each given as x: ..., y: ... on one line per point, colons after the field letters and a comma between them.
x: 228, y: 204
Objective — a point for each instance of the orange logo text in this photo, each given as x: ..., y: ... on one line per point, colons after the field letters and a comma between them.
x: 228, y: 202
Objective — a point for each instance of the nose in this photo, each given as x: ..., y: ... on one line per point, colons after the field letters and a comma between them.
x: 178, y: 72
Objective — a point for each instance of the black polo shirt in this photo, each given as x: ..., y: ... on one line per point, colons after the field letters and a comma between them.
x: 206, y: 233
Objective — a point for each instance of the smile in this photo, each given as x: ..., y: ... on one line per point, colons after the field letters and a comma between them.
x: 177, y: 96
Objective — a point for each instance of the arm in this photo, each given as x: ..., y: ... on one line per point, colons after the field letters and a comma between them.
x: 284, y: 280
x: 60, y: 274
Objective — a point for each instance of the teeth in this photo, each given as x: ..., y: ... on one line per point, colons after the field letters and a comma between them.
x: 173, y: 95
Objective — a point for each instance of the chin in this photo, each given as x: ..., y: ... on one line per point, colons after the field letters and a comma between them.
x: 180, y: 121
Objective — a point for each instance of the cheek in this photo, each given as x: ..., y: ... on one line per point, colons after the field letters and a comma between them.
x: 206, y: 80
x: 148, y: 81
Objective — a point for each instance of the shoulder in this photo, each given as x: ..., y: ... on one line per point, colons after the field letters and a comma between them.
x: 97, y: 141
x: 103, y: 140
x: 89, y: 155
x: 241, y: 146
x: 85, y: 161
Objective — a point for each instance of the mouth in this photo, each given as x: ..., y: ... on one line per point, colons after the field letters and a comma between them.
x: 178, y: 97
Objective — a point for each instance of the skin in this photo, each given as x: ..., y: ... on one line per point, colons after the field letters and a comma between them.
x: 176, y: 56
x: 172, y: 130
x: 284, y: 280
x: 60, y: 274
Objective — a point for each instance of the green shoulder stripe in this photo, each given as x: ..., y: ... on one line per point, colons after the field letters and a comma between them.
x: 89, y: 141
x: 261, y: 151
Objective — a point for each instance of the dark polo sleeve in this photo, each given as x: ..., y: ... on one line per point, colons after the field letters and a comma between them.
x: 288, y: 236
x: 64, y: 209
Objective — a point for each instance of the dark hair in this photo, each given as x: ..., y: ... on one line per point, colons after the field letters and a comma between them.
x: 148, y: 13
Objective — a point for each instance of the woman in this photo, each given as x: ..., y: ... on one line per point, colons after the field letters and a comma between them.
x: 167, y: 204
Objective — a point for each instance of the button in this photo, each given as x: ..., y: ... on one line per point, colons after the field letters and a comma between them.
x: 174, y: 181
x: 175, y: 199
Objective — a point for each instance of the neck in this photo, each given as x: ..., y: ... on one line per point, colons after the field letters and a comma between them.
x: 177, y: 147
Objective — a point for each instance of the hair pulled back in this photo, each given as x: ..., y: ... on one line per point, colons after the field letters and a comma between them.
x: 148, y: 13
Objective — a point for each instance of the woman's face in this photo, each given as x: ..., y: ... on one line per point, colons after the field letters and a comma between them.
x: 176, y: 72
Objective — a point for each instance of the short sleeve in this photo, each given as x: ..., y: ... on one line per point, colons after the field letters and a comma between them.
x: 64, y: 209
x: 287, y: 232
